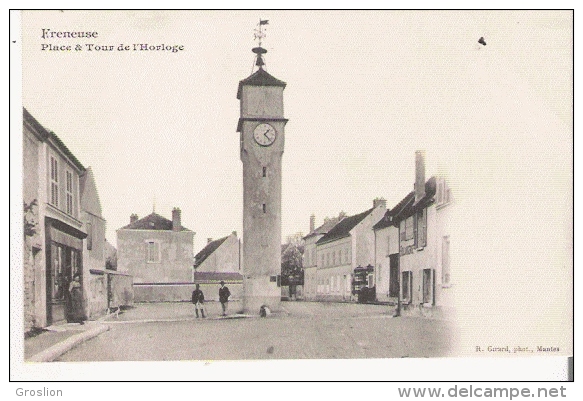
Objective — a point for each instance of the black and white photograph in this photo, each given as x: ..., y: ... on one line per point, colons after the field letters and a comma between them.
x: 339, y: 187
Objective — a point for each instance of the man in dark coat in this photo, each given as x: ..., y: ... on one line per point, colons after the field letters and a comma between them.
x: 198, y: 300
x: 224, y: 295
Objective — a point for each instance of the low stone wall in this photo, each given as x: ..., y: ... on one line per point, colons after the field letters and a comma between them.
x: 181, y: 292
x: 121, y: 289
x: 96, y: 295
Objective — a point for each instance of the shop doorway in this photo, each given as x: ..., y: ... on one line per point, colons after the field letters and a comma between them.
x: 63, y: 262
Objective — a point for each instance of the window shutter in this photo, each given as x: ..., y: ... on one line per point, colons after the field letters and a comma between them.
x: 422, y: 228
x: 432, y: 286
x: 420, y: 287
x: 416, y: 230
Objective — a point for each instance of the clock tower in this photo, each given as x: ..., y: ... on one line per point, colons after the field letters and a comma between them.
x: 261, y: 127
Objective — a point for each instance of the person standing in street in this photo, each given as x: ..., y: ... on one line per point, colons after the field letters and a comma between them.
x: 76, y: 310
x: 198, y: 300
x: 224, y: 295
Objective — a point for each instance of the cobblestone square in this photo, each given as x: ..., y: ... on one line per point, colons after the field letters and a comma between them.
x: 307, y: 330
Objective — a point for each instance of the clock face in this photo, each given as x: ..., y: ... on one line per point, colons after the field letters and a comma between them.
x: 264, y: 134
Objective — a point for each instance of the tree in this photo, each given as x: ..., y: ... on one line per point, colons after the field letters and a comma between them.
x: 292, y: 271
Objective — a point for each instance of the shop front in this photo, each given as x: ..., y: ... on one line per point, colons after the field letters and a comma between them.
x: 64, y: 260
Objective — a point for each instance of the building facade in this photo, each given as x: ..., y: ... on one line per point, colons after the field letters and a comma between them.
x: 94, y: 247
x: 348, y: 245
x: 386, y: 274
x: 53, y: 226
x: 310, y: 260
x: 424, y: 242
x: 156, y: 250
x: 222, y: 255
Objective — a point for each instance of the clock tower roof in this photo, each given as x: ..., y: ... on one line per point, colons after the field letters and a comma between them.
x: 259, y: 78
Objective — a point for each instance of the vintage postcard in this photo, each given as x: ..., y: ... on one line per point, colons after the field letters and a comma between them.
x: 342, y: 188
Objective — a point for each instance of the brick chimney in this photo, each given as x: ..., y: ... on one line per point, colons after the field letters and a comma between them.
x: 419, y: 175
x: 379, y: 202
x: 312, y: 222
x: 133, y: 218
x: 176, y: 223
x: 341, y: 215
x: 234, y: 233
x: 209, y: 240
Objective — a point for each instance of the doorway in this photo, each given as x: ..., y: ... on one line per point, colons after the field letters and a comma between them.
x: 63, y: 262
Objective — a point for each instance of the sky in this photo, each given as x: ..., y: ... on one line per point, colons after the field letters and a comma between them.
x: 364, y: 91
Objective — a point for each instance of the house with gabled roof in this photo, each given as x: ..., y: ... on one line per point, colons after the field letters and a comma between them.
x: 155, y: 249
x: 53, y: 228
x: 422, y: 218
x: 219, y: 256
x: 64, y: 232
x: 346, y: 246
x: 310, y: 261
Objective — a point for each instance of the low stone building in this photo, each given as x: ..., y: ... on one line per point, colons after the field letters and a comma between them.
x: 94, y: 283
x: 222, y: 255
x: 156, y: 250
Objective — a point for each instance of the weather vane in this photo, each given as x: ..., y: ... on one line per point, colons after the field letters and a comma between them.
x: 259, y: 35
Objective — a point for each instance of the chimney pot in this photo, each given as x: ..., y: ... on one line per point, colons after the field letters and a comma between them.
x: 209, y: 240
x: 234, y: 233
x: 133, y: 218
x: 419, y: 175
x: 379, y: 202
x: 176, y: 220
x: 312, y: 222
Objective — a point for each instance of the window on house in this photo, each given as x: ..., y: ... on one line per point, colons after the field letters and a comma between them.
x: 264, y: 208
x: 69, y: 192
x: 421, y: 228
x: 407, y: 283
x: 265, y: 171
x: 54, y: 181
x: 322, y: 260
x: 153, y: 252
x: 402, y: 231
x: 428, y: 285
x: 388, y: 244
x: 409, y: 228
x: 334, y: 258
x: 443, y: 192
x: 445, y: 268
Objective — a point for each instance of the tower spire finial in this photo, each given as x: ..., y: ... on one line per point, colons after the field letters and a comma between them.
x: 259, y: 35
